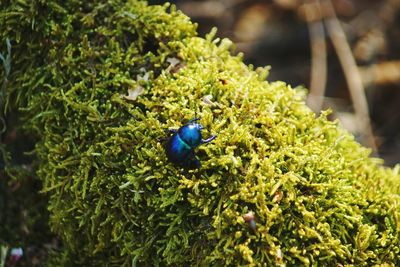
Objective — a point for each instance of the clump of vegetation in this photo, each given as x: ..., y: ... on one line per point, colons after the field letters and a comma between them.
x: 99, y: 84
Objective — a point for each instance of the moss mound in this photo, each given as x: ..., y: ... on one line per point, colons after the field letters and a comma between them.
x: 100, y: 83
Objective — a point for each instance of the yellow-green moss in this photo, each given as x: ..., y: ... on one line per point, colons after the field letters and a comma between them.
x: 317, y: 197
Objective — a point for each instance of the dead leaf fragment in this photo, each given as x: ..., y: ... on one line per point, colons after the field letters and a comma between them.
x: 134, y: 93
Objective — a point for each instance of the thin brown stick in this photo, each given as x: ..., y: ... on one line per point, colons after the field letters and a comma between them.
x: 351, y: 73
x: 382, y: 73
x: 313, y: 15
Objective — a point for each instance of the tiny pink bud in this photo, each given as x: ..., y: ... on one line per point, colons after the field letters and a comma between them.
x: 249, y: 218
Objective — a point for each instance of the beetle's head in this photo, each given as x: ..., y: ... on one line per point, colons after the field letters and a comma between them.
x: 197, y: 126
x: 191, y: 134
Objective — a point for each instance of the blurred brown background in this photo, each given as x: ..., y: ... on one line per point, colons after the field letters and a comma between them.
x: 347, y: 53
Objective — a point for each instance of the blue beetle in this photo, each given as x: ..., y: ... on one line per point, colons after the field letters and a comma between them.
x: 180, y: 147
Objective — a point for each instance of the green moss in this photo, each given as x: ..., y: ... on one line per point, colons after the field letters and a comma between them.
x: 317, y: 197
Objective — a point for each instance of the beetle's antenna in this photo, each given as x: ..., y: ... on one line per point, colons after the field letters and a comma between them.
x: 193, y: 120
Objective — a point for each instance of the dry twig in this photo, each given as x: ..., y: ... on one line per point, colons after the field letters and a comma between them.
x: 382, y: 73
x: 351, y: 73
x: 313, y: 15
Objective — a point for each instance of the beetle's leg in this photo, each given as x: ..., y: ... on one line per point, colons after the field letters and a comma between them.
x: 193, y: 120
x: 172, y: 130
x: 194, y: 163
x: 162, y: 139
x: 203, y: 141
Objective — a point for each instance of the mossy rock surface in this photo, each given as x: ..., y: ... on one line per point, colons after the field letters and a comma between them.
x: 100, y: 83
